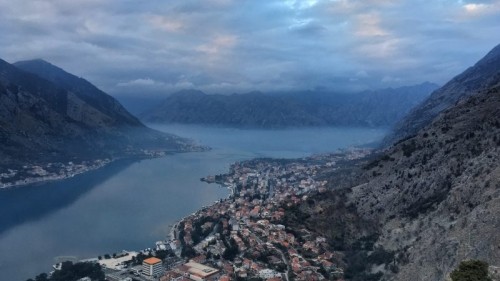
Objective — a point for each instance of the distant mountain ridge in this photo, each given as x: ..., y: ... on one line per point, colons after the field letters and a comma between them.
x: 302, y: 109
x: 478, y: 77
x: 65, y: 120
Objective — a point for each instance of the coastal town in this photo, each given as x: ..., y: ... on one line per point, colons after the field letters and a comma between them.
x: 30, y: 174
x: 52, y: 171
x: 244, y: 237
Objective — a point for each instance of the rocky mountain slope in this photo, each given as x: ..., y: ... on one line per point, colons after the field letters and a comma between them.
x: 258, y: 110
x: 84, y: 90
x: 419, y: 208
x: 66, y: 120
x: 439, y: 199
x: 478, y: 77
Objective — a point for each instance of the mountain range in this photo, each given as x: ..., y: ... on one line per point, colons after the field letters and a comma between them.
x: 50, y: 116
x: 381, y: 108
x: 413, y: 210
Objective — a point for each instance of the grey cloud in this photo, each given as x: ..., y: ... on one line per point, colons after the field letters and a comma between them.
x: 308, y: 28
x: 154, y: 47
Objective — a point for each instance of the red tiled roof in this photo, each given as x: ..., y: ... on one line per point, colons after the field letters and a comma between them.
x: 152, y: 261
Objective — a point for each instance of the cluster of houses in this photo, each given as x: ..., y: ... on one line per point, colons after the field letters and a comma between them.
x: 245, y: 236
x: 252, y: 219
x: 52, y: 171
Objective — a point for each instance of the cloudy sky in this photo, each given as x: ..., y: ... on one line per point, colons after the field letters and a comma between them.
x: 148, y: 47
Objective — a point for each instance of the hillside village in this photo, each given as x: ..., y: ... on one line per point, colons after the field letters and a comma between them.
x: 243, y: 237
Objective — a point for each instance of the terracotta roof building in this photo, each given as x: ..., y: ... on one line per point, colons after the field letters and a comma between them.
x: 152, y: 267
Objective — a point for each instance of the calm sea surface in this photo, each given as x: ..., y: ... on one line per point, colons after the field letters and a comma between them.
x: 130, y: 205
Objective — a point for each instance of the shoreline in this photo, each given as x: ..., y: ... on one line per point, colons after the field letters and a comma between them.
x: 47, y: 179
x: 96, y: 165
x: 248, y: 168
x: 174, y: 229
x: 326, y: 160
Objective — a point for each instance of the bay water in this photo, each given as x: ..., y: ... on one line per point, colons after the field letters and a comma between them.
x: 128, y: 205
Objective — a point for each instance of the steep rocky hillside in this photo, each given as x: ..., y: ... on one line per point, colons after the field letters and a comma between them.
x: 84, y: 90
x: 302, y: 109
x: 478, y: 77
x: 417, y: 209
x: 437, y: 195
x: 43, y: 122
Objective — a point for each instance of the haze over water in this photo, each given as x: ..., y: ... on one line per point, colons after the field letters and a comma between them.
x: 130, y: 205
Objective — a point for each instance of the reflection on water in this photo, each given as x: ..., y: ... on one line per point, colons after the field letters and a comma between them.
x: 130, y: 205
x: 17, y: 205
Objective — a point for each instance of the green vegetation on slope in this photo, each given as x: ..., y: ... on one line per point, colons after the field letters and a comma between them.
x: 471, y: 270
x: 73, y: 272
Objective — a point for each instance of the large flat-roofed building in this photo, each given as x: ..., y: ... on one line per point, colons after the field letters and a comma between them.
x: 152, y: 267
x: 200, y: 272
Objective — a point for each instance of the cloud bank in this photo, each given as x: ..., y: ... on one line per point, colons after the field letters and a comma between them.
x: 156, y: 47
